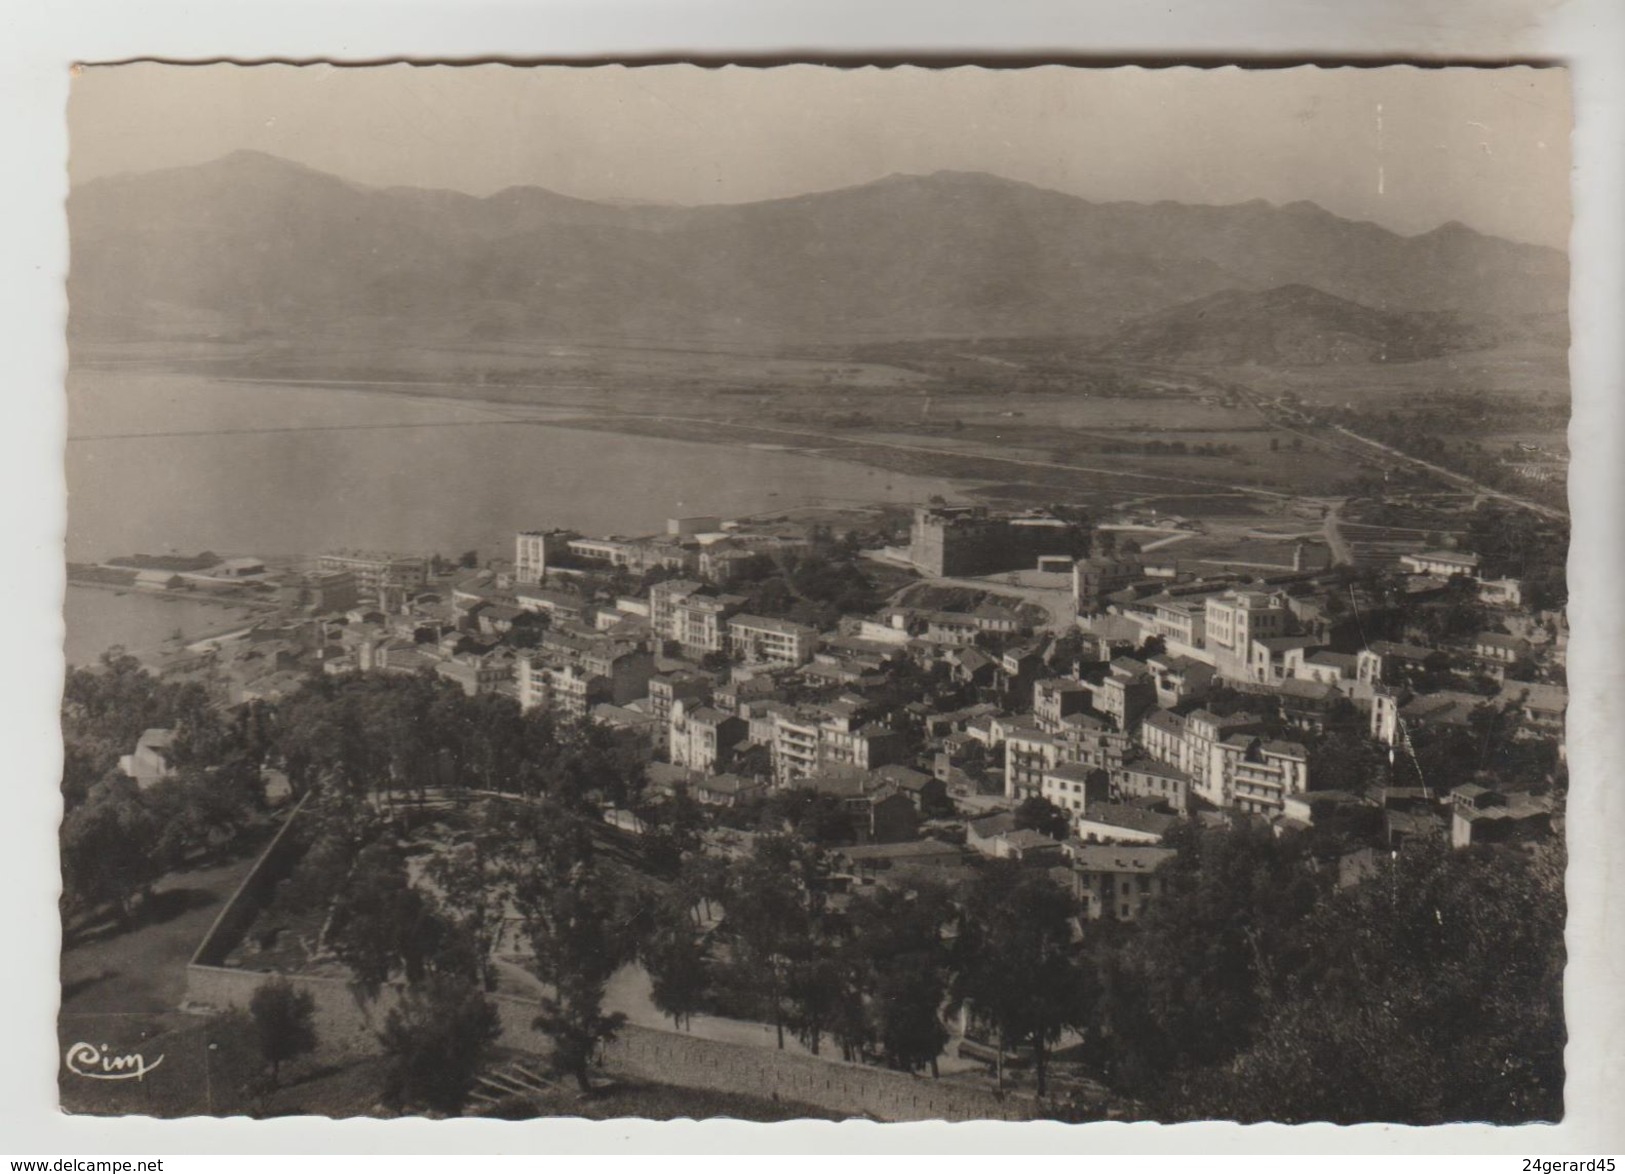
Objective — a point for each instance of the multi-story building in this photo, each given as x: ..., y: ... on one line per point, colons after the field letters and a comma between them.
x: 1071, y: 786
x: 1087, y: 739
x: 1122, y: 823
x: 1147, y: 778
x: 795, y: 744
x: 476, y: 674
x: 969, y: 540
x: 838, y: 736
x: 1443, y: 563
x: 700, y: 622
x: 1181, y: 621
x: 1193, y: 745
x: 1179, y: 679
x: 1385, y: 706
x: 1058, y: 697
x: 848, y: 740
x: 636, y: 555
x: 1235, y: 619
x: 1125, y: 695
x: 320, y: 593
x: 1096, y: 577
x: 622, y: 669
x: 1270, y: 658
x: 951, y: 628
x: 1117, y: 882
x: 1028, y: 753
x: 663, y: 600
x: 667, y: 689
x: 560, y: 605
x: 376, y: 573
x: 569, y: 688
x: 763, y: 640
x: 1256, y: 776
x: 1385, y: 662
x: 533, y: 550
x: 724, y: 562
x: 704, y: 738
x: 613, y: 552
x: 1324, y: 665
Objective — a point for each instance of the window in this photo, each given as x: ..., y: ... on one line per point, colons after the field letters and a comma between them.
x: 1124, y: 913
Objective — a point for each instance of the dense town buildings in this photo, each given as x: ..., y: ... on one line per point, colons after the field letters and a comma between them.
x: 1177, y: 698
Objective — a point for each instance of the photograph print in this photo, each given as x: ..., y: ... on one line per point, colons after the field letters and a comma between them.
x: 804, y: 593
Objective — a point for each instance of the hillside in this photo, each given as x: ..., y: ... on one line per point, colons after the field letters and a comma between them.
x: 251, y: 244
x: 1295, y: 325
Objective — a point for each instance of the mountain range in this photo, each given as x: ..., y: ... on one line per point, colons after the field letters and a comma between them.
x: 251, y: 244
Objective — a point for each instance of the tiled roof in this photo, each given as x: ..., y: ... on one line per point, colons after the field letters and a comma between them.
x: 1131, y: 818
x: 1110, y: 858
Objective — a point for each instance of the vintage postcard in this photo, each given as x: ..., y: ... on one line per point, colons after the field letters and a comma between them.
x: 785, y: 593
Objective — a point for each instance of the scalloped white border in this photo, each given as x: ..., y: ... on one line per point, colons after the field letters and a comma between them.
x: 37, y: 46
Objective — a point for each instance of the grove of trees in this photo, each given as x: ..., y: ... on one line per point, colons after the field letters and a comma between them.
x: 1254, y: 987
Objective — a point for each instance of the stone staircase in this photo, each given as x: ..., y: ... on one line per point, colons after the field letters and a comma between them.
x: 510, y: 1080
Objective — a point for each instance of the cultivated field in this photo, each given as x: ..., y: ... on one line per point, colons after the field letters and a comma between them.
x: 1010, y: 420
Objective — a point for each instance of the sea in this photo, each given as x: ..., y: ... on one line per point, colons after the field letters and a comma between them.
x: 160, y: 462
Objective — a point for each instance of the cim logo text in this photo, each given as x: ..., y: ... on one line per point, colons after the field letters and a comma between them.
x: 99, y: 1063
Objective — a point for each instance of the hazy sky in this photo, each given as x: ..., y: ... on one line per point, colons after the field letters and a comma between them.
x: 1407, y: 148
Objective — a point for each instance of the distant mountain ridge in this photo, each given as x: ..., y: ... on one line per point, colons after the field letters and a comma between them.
x: 251, y: 243
x: 1295, y: 325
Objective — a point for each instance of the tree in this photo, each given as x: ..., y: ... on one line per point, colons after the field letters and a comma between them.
x: 1190, y: 988
x: 673, y: 954
x: 1430, y: 992
x: 382, y: 925
x: 1042, y: 816
x: 473, y: 891
x: 770, y: 909
x: 1015, y: 966
x: 284, y: 1025
x: 582, y: 928
x: 109, y: 849
x: 435, y: 1041
x: 1342, y: 760
x: 900, y: 938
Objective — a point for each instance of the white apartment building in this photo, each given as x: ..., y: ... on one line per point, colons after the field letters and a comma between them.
x: 533, y: 549
x: 1028, y: 753
x: 570, y: 689
x: 795, y: 745
x: 762, y: 640
x: 663, y: 601
x: 1258, y: 775
x: 1182, y: 622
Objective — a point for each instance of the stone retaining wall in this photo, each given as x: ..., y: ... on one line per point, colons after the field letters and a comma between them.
x: 347, y: 1023
x: 850, y: 1089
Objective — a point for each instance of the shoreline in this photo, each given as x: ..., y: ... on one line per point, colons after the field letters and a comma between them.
x: 94, y: 624
x: 171, y: 595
